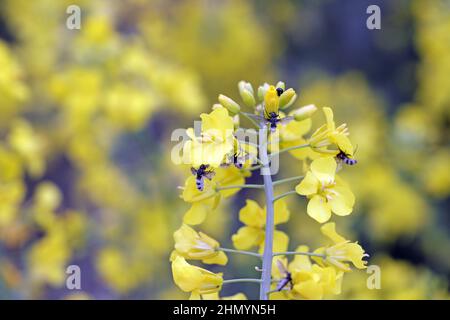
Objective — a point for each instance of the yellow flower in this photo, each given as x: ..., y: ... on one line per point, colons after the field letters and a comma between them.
x: 215, y: 142
x: 328, y: 134
x: 254, y: 218
x: 48, y: 258
x: 193, y: 279
x: 292, y: 134
x: 207, y: 200
x: 29, y: 145
x: 202, y: 201
x: 342, y: 251
x: 326, y: 192
x: 197, y: 245
x: 311, y: 281
x: 271, y: 100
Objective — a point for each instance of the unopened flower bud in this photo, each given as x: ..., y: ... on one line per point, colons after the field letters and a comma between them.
x: 304, y: 112
x: 287, y: 98
x: 230, y: 104
x: 262, y: 91
x: 246, y: 92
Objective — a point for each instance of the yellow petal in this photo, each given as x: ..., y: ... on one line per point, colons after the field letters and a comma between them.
x: 324, y: 169
x: 211, y: 296
x: 319, y: 209
x: 308, y: 185
x: 221, y: 259
x: 196, y: 214
x: 343, y: 143
x: 342, y: 201
x: 217, y: 123
x: 309, y: 290
x: 281, y: 212
x: 329, y: 230
x: 329, y: 116
x: 280, y: 241
x: 355, y: 253
x: 252, y: 215
x: 237, y: 296
x: 247, y: 237
x: 300, y: 262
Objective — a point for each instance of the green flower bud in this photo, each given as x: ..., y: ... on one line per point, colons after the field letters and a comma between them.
x: 262, y: 91
x: 287, y: 98
x: 280, y: 84
x: 230, y: 104
x: 246, y: 92
x: 304, y: 112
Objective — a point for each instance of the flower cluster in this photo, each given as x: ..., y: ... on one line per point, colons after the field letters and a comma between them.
x: 221, y: 161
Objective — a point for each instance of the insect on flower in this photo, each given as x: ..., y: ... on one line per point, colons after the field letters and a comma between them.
x: 346, y: 158
x: 287, y: 279
x: 237, y: 158
x: 201, y: 173
x: 271, y: 109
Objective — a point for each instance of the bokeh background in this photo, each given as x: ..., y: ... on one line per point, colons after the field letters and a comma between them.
x: 86, y: 117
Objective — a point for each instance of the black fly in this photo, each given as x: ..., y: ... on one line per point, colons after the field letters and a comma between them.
x: 202, y: 173
x: 287, y: 279
x: 344, y: 157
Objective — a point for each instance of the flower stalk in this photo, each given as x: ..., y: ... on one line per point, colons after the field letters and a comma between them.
x: 241, y: 280
x: 248, y: 253
x: 268, y: 189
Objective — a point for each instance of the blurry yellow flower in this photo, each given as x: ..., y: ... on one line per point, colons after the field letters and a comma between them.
x: 197, y: 245
x: 121, y: 270
x: 48, y: 258
x: 13, y: 91
x: 24, y: 140
x: 254, y: 218
x: 341, y: 252
x: 128, y: 107
x: 46, y: 200
x: 193, y: 279
x: 216, y: 139
x: 326, y: 192
x: 328, y: 135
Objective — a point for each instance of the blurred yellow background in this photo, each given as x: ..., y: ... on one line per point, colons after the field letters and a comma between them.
x: 86, y: 117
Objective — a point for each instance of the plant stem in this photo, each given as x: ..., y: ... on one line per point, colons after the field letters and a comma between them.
x: 268, y: 241
x: 284, y: 195
x: 311, y: 254
x: 249, y: 253
x: 289, y: 149
x: 275, y: 183
x: 241, y: 186
x: 241, y: 280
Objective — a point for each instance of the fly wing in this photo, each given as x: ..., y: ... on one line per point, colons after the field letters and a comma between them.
x: 194, y: 172
x: 209, y: 174
x: 282, y: 268
x: 286, y: 120
x: 255, y: 117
